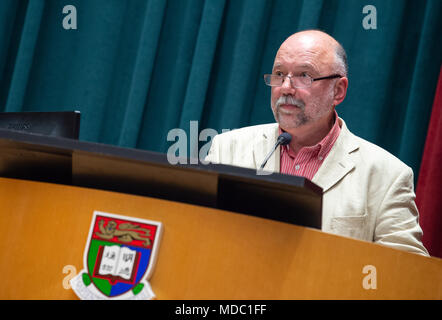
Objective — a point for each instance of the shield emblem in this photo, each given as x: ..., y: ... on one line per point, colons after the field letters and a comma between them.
x: 119, y: 258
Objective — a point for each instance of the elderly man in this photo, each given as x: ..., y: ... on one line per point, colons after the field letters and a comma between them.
x: 368, y: 193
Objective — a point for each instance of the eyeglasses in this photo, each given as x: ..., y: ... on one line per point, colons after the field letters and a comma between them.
x: 302, y: 81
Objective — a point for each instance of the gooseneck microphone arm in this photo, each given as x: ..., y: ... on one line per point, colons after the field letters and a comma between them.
x: 283, y: 139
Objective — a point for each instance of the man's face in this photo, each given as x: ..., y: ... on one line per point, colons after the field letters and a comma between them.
x: 295, y: 107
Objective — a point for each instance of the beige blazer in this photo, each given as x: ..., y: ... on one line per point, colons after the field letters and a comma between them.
x: 368, y: 193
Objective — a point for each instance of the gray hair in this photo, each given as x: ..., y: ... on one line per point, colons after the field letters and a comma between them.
x: 341, y: 60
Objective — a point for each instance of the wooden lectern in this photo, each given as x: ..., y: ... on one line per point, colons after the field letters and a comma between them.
x: 211, y: 248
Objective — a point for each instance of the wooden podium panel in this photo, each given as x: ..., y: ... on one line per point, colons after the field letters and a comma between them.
x: 204, y: 253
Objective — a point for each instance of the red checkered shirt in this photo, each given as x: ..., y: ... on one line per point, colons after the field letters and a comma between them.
x: 308, y: 160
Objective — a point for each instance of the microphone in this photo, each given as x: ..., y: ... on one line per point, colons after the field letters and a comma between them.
x: 283, y: 139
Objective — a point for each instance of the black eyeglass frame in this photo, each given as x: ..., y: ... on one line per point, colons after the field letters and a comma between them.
x: 333, y: 76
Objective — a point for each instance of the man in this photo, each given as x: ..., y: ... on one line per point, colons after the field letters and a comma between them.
x: 368, y: 193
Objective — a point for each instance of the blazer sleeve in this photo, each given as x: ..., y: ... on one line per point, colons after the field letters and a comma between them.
x: 397, y: 221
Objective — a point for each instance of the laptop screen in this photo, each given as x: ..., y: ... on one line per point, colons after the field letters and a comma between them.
x: 65, y: 124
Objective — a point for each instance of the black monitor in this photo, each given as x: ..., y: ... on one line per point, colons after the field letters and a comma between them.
x: 65, y: 124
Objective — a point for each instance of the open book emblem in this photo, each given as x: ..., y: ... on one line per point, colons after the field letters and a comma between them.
x: 119, y: 258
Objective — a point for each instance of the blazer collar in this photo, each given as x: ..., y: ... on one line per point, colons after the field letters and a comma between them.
x: 338, y: 162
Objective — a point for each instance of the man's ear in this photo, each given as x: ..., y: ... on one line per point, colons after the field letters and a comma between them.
x: 340, y: 90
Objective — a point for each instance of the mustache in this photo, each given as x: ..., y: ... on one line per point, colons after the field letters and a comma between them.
x: 289, y: 99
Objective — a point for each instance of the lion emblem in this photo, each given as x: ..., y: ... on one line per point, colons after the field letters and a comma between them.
x: 126, y: 232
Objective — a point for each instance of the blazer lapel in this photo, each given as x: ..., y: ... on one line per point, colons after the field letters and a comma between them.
x: 338, y: 163
x: 263, y: 145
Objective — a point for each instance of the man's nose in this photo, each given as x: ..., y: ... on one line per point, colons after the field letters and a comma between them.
x: 287, y: 86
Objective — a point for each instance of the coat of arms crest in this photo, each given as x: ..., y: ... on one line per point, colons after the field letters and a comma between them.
x: 119, y: 258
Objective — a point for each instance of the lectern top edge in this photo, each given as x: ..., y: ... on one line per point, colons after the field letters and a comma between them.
x: 69, y: 146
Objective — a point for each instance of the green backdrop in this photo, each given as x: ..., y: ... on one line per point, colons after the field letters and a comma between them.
x: 137, y: 69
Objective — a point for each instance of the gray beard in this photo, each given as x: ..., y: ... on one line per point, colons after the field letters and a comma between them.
x: 301, y: 117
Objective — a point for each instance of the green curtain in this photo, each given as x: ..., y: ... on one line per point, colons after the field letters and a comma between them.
x: 139, y: 68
